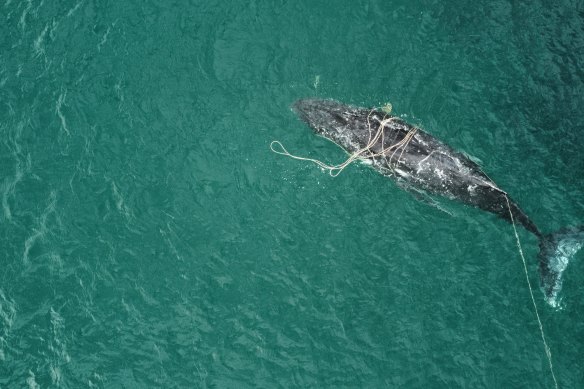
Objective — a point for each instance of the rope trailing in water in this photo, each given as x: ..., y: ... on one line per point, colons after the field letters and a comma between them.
x: 366, y: 152
x: 363, y: 153
x: 548, y: 352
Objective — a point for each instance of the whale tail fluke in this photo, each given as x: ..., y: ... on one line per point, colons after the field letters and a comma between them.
x: 556, y: 250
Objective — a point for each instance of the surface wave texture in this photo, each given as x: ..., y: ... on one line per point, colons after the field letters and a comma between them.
x: 149, y: 238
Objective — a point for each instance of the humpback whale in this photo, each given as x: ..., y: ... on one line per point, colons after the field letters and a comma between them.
x: 417, y: 160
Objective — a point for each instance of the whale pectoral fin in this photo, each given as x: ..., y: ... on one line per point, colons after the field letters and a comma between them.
x: 474, y: 159
x: 422, y: 196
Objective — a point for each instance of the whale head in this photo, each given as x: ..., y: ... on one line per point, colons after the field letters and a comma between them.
x: 348, y: 126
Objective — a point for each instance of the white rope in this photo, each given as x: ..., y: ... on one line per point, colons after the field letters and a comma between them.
x: 366, y: 152
x: 548, y: 352
x: 363, y: 153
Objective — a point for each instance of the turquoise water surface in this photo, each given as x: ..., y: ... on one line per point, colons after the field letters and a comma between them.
x: 150, y: 238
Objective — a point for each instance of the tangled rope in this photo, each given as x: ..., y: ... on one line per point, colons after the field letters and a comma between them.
x: 365, y: 152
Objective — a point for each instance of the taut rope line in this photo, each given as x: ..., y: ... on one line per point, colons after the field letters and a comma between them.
x: 548, y: 352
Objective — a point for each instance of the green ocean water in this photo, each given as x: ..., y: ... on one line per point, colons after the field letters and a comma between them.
x: 149, y: 238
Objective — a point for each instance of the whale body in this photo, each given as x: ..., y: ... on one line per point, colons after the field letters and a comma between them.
x: 418, y: 161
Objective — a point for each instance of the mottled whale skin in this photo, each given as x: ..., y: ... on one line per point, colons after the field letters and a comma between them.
x: 429, y: 165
